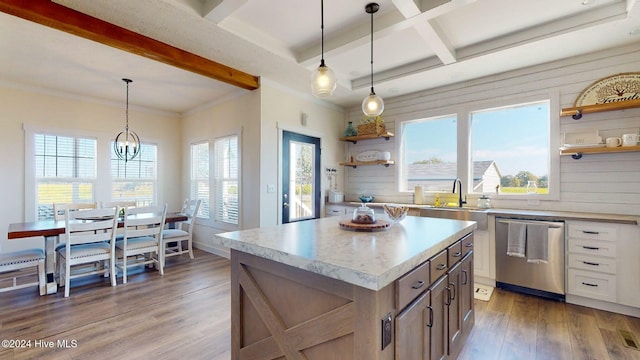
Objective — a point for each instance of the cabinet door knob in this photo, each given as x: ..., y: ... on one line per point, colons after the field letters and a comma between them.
x: 417, y: 285
x: 441, y: 267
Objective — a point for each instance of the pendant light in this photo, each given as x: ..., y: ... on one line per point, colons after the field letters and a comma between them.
x: 127, y: 144
x: 372, y: 104
x: 323, y: 80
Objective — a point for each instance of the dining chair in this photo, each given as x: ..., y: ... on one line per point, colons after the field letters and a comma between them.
x: 13, y: 266
x: 60, y: 208
x: 173, y: 238
x: 141, y: 242
x: 122, y: 204
x: 89, y: 239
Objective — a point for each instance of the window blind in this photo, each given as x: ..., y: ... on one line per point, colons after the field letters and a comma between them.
x: 65, y: 171
x: 226, y: 179
x: 200, y: 177
x: 135, y: 180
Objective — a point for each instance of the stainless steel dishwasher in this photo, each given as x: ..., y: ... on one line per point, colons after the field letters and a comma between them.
x: 517, y: 274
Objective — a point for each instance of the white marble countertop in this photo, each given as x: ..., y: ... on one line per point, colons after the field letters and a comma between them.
x: 368, y: 259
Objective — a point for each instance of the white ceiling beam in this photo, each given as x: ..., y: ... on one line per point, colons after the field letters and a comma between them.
x: 437, y: 40
x: 408, y: 8
x: 218, y: 10
x: 605, y: 14
x: 384, y: 25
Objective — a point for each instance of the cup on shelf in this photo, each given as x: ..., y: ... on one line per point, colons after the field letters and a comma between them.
x: 630, y: 139
x: 613, y: 142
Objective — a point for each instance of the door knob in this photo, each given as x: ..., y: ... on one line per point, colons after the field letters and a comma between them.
x: 285, y: 204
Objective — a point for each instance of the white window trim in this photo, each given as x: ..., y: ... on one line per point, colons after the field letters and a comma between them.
x: 211, y: 222
x: 464, y: 141
x: 103, y: 184
x: 209, y: 146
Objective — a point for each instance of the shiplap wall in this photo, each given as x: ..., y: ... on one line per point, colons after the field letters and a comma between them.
x: 603, y: 183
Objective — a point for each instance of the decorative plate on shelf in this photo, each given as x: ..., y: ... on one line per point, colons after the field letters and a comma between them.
x: 369, y: 155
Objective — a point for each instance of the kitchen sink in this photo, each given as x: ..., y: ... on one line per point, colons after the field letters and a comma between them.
x: 480, y: 216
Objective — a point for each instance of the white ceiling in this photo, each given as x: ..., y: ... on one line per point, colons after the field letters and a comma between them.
x: 418, y: 44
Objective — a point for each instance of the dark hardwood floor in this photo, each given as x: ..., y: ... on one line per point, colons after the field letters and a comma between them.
x: 185, y: 315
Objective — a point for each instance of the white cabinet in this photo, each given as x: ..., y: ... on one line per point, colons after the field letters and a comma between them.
x: 602, y: 262
x: 482, y: 252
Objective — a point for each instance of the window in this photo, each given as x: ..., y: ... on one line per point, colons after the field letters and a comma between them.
x: 510, y: 149
x: 65, y: 171
x: 429, y: 153
x: 226, y: 165
x: 135, y: 179
x: 200, y: 177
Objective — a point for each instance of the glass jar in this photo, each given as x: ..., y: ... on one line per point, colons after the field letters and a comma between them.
x: 363, y: 215
x: 484, y: 202
x: 532, y: 188
x: 350, y: 131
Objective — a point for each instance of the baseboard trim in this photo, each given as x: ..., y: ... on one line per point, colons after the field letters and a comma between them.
x: 225, y: 253
x: 603, y: 305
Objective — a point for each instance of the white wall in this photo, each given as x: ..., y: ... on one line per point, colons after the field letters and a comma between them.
x: 604, y: 183
x: 281, y: 110
x: 241, y: 115
x: 262, y: 115
x: 22, y: 107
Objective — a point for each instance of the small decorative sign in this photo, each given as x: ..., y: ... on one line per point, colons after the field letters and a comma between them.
x: 612, y: 89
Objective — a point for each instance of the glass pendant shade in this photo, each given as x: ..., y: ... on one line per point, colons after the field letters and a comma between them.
x: 372, y: 105
x: 127, y: 144
x: 323, y: 81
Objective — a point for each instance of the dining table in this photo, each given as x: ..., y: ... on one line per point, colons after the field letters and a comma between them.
x: 51, y: 231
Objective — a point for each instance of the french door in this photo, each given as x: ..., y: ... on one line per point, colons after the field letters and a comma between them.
x: 301, y: 191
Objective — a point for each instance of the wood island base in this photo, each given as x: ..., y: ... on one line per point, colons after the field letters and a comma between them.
x: 279, y: 311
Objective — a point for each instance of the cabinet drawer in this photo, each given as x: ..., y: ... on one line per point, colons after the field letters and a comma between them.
x: 334, y: 210
x: 592, y: 285
x: 591, y: 247
x: 467, y: 245
x: 438, y: 266
x: 412, y: 284
x: 454, y: 253
x: 589, y: 231
x: 592, y: 263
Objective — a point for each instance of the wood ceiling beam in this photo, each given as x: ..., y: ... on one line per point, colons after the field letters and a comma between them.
x: 56, y: 16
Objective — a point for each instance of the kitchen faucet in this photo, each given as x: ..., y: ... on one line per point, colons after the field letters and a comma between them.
x: 459, y: 182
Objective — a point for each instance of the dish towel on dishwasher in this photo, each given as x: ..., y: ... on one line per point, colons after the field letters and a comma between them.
x: 516, y: 239
x: 537, y: 243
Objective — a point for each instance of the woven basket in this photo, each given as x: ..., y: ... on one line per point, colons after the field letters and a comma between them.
x: 371, y: 128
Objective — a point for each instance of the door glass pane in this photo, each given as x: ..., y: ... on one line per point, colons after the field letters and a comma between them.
x: 301, y: 180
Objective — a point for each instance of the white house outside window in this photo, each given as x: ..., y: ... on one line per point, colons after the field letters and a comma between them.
x: 200, y: 177
x: 65, y: 171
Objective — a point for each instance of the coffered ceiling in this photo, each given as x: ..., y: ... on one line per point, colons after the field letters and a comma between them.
x: 418, y: 44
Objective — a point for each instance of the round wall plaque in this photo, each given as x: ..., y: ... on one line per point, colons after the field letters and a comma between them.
x: 615, y: 88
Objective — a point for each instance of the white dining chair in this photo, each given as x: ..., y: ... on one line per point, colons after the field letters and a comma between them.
x: 183, y: 232
x: 122, y: 204
x: 89, y: 239
x: 59, y: 209
x: 141, y: 242
x: 17, y: 266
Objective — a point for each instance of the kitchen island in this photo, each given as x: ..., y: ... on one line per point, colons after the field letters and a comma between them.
x: 314, y: 290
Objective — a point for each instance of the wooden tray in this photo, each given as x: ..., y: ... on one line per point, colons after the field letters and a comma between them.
x: 379, y: 225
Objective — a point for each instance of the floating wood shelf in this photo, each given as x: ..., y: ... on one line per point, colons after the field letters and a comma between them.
x: 355, y: 164
x: 577, y: 153
x: 355, y: 139
x: 576, y: 112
